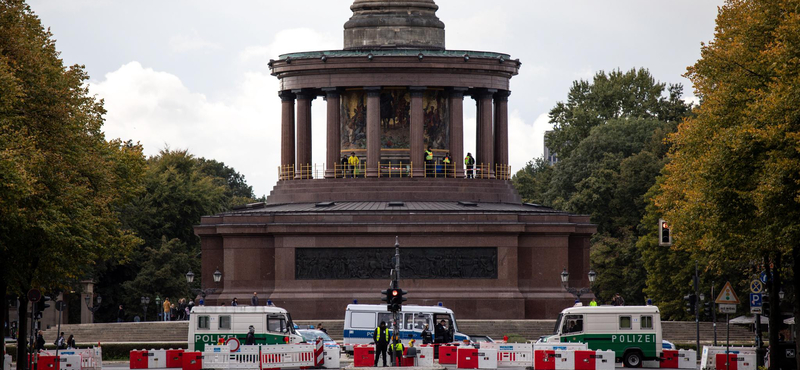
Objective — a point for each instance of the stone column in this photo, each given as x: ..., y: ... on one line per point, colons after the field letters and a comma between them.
x: 457, y: 129
x: 486, y: 138
x: 304, y: 98
x: 477, y: 127
x: 373, y: 130
x: 417, y: 137
x: 287, y: 134
x: 333, y: 133
x: 501, y: 128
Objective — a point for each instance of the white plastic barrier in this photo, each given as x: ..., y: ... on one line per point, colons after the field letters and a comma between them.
x: 708, y: 359
x: 7, y: 361
x: 513, y: 354
x: 88, y: 358
x: 247, y: 357
x: 158, y: 359
x: 69, y: 362
x: 687, y: 359
x: 487, y: 358
x: 565, y: 359
x: 332, y: 355
x: 216, y: 357
x: 560, y: 346
x: 287, y: 355
x: 604, y: 360
x: 425, y: 355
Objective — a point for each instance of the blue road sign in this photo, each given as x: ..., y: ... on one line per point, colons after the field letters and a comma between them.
x: 763, y: 277
x: 755, y: 300
x: 756, y: 286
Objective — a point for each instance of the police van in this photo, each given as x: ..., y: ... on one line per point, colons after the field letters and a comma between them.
x: 207, y: 325
x: 632, y: 332
x: 360, y: 321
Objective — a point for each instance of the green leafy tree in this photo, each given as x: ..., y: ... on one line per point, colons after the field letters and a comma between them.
x: 731, y: 187
x: 532, y: 181
x: 62, y: 183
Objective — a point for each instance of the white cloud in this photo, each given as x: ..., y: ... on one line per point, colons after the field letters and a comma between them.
x: 157, y: 109
x: 291, y: 40
x: 191, y: 42
x: 525, y: 140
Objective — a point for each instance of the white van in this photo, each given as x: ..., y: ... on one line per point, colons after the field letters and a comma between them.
x: 360, y: 321
x: 207, y: 325
x: 632, y: 332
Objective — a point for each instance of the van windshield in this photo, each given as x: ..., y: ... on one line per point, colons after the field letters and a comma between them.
x: 558, y: 323
x: 453, y: 319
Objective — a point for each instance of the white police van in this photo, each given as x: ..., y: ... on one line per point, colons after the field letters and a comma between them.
x: 360, y: 321
x: 207, y: 325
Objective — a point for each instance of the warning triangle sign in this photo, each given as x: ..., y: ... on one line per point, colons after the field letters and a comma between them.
x: 727, y: 295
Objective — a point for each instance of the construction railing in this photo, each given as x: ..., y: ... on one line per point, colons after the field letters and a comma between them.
x: 394, y: 169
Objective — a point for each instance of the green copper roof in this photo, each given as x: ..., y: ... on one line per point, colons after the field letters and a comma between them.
x: 395, y: 52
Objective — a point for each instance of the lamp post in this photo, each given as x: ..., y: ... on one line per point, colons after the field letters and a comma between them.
x: 94, y: 308
x: 577, y: 292
x: 203, y: 292
x: 145, y: 303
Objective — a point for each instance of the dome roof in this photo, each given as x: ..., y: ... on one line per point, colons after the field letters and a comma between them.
x: 394, y: 24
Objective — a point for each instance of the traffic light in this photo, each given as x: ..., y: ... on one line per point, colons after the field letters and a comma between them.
x: 664, y: 235
x: 765, y: 307
x: 691, y: 303
x: 386, y: 296
x: 43, y: 305
x: 708, y: 309
x: 397, y: 299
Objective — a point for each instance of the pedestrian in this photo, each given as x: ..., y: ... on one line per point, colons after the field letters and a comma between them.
x: 166, y: 309
x: 429, y: 165
x: 234, y: 302
x: 381, y: 338
x: 446, y: 161
x: 173, y: 312
x: 617, y: 300
x: 353, y: 164
x: 397, y: 350
x: 120, y: 314
x: 189, y: 308
x: 426, y: 335
x: 250, y: 340
x: 39, y: 341
x: 61, y: 343
x: 254, y: 299
x: 181, y: 309
x: 593, y: 303
x: 345, y: 166
x: 71, y: 342
x: 469, y: 162
x: 440, y: 333
x: 320, y: 328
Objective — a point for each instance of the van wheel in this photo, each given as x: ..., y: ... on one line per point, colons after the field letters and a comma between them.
x: 632, y: 359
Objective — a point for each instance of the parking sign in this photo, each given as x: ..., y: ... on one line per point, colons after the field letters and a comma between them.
x: 756, y: 302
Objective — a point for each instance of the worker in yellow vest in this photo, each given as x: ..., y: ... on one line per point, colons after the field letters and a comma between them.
x: 397, y: 349
x: 381, y: 338
x: 448, y: 168
x: 354, y: 163
x: 429, y: 165
x: 469, y: 162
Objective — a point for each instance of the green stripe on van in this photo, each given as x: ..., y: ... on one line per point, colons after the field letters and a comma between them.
x: 617, y: 342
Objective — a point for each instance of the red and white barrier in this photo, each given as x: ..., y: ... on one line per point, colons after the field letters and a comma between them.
x: 87, y: 359
x: 467, y: 358
x: 157, y: 359
x: 216, y: 357
x: 246, y: 357
x: 425, y: 355
x: 735, y: 362
x: 139, y: 360
x: 192, y: 361
x: 709, y: 356
x: 448, y: 354
x: 687, y: 359
x: 364, y: 355
x: 69, y: 362
x: 287, y: 356
x: 513, y: 354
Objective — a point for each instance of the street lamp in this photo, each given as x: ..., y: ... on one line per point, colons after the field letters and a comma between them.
x: 145, y: 303
x: 577, y: 292
x: 203, y: 292
x: 94, y: 308
x: 781, y: 294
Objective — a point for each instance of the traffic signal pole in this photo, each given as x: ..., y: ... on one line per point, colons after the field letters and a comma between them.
x: 396, y: 285
x: 697, y: 308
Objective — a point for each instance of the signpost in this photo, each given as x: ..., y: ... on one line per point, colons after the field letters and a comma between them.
x: 727, y: 301
x: 756, y: 302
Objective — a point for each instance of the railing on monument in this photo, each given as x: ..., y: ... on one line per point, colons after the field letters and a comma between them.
x: 394, y: 169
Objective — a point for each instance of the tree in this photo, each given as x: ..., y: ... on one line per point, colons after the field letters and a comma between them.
x: 532, y: 181
x: 632, y: 94
x: 731, y: 187
x: 63, y: 183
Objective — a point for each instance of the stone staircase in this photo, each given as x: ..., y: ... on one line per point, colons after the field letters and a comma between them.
x: 177, y: 331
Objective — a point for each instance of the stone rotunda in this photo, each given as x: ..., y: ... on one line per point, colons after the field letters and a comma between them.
x: 326, y: 234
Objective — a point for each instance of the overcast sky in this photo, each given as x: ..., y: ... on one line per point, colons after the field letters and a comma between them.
x: 193, y: 74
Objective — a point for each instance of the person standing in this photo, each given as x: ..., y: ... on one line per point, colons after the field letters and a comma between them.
x: 381, y: 338
x: 320, y: 328
x: 250, y: 340
x: 617, y: 301
x: 440, y: 333
x: 120, y: 314
x: 446, y: 161
x: 39, y: 345
x: 71, y: 342
x: 61, y: 343
x: 426, y: 335
x: 354, y: 163
x: 593, y: 303
x: 469, y: 162
x: 344, y: 166
x: 254, y: 299
x: 166, y: 309
x: 429, y: 168
x: 397, y: 351
x: 234, y: 302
